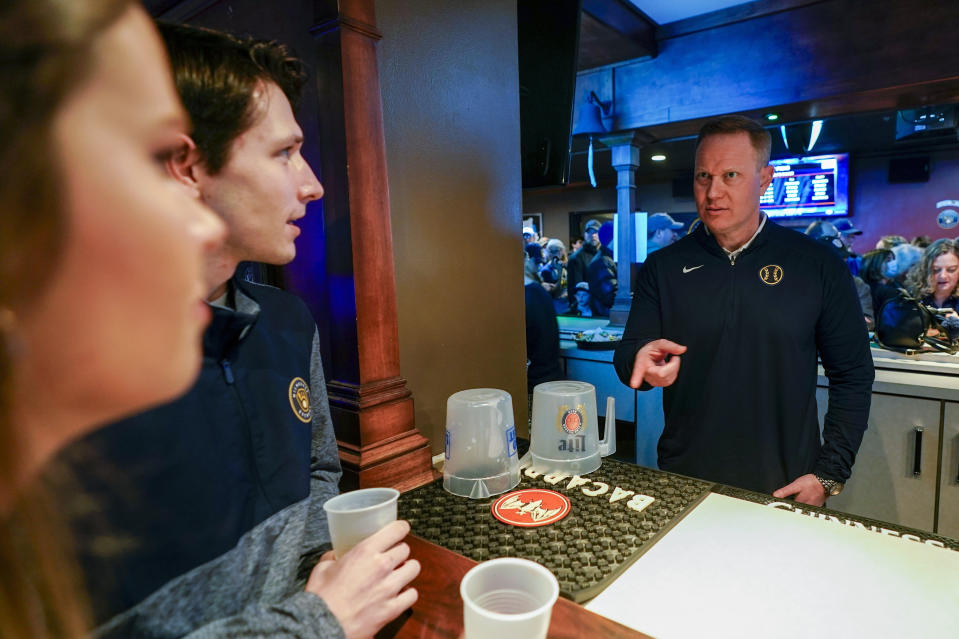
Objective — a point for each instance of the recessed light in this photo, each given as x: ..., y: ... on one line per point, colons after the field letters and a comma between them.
x: 772, y: 117
x: 659, y: 157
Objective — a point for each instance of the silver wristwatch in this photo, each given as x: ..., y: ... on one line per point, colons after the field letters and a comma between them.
x: 832, y: 486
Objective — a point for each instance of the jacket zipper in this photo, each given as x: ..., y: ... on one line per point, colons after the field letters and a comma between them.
x: 227, y: 371
x: 230, y: 379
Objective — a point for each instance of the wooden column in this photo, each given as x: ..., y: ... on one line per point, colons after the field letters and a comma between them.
x: 371, y: 405
x: 625, y: 158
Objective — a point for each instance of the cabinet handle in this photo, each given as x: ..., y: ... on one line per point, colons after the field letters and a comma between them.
x: 917, y: 459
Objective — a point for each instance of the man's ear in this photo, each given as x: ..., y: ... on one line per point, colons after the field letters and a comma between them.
x: 766, y: 176
x: 183, y: 165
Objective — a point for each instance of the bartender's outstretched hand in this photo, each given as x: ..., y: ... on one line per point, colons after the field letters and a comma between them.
x: 807, y: 490
x: 651, y: 365
x: 364, y: 588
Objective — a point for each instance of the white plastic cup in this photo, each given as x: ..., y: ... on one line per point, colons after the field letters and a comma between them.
x: 354, y: 516
x: 508, y: 597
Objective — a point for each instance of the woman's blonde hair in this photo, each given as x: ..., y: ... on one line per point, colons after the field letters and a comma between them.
x: 45, y: 52
x: 917, y: 282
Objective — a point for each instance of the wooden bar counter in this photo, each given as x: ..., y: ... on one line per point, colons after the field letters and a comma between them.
x: 439, y: 610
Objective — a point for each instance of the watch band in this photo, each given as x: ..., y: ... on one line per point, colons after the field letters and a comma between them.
x: 831, y: 486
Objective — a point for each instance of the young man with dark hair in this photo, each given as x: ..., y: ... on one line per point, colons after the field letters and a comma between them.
x: 224, y: 487
x: 730, y: 320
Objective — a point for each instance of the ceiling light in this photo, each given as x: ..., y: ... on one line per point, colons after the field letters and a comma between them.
x: 771, y: 117
x: 814, y: 134
x: 659, y: 157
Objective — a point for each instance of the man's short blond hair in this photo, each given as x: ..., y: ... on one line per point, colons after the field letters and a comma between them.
x: 732, y: 124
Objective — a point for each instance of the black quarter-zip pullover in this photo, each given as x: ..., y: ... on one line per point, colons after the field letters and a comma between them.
x: 742, y: 410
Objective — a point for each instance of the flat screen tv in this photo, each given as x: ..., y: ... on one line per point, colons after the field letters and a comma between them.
x: 809, y: 186
x: 548, y: 46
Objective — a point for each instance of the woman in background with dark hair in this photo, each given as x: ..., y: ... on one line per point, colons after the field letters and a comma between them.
x: 101, y: 267
x: 877, y: 270
x: 935, y: 280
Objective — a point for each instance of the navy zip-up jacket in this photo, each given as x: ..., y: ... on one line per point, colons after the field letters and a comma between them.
x: 177, y: 486
x: 742, y: 410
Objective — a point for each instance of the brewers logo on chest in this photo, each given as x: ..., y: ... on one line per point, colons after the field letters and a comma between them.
x: 300, y: 399
x: 771, y: 274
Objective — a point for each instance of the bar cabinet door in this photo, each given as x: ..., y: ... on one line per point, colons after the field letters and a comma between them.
x: 949, y: 477
x: 894, y: 478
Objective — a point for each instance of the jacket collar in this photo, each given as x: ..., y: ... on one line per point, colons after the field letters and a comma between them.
x: 708, y: 240
x: 229, y: 326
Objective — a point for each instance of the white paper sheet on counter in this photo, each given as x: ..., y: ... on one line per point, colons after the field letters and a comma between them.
x: 734, y: 568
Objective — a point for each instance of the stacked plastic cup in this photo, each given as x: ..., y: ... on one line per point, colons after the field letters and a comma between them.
x: 481, y: 457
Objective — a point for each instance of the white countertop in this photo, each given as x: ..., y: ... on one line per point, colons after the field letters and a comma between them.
x: 737, y: 569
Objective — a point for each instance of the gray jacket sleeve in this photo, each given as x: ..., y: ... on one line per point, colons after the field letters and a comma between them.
x: 325, y: 469
x: 249, y: 591
x: 298, y: 616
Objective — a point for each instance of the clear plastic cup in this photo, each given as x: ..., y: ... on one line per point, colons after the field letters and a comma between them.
x: 481, y: 457
x: 354, y: 516
x: 564, y: 435
x: 508, y: 597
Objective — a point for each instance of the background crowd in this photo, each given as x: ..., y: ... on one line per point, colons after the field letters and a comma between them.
x: 584, y: 283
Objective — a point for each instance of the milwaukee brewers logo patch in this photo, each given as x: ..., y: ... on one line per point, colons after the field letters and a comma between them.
x: 531, y: 507
x: 300, y: 400
x: 771, y: 275
x: 572, y: 420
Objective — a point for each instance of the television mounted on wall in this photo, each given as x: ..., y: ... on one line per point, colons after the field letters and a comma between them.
x: 808, y: 186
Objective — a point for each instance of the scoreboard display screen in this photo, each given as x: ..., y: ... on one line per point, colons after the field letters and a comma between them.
x: 812, y: 186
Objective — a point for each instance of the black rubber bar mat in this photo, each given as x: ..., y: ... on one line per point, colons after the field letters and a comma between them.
x: 841, y: 518
x: 601, y: 536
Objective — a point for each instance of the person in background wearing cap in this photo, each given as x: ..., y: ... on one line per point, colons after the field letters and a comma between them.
x: 553, y: 274
x: 578, y: 265
x: 730, y: 320
x: 529, y: 235
x: 583, y: 304
x: 601, y: 273
x: 661, y: 231
x: 847, y: 233
x: 821, y: 228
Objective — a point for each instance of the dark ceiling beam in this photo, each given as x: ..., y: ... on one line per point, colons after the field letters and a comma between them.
x: 612, y: 31
x: 730, y: 15
x: 841, y: 56
x: 905, y: 96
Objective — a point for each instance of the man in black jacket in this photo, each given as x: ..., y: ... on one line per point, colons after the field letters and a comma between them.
x: 730, y: 320
x: 578, y: 265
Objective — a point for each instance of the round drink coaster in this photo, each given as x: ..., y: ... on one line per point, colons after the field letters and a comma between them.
x: 531, y: 507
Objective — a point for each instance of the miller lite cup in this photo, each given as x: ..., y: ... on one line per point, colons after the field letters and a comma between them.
x: 565, y: 429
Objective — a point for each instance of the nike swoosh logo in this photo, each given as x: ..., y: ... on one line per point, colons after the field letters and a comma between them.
x: 687, y: 269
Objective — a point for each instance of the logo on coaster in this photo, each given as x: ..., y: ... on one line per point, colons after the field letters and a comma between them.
x: 771, y: 275
x: 571, y: 419
x: 531, y: 507
x: 300, y: 400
